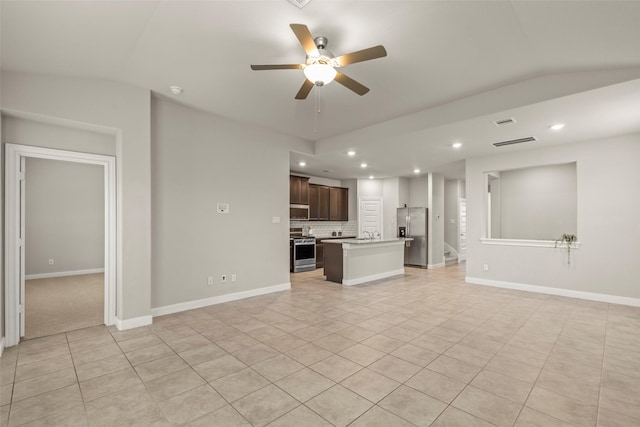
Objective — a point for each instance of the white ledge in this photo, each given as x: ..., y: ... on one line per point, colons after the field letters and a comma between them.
x: 529, y: 243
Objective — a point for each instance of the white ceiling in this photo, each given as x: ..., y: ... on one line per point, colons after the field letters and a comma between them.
x: 452, y: 68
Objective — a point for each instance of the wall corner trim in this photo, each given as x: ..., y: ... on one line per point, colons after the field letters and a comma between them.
x: 612, y: 299
x: 1, y: 346
x: 190, y: 305
x: 134, y: 322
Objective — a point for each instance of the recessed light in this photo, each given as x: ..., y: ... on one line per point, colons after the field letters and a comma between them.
x: 416, y: 171
x: 363, y: 165
x: 303, y: 163
x: 176, y: 90
x: 351, y: 153
x: 557, y: 126
x: 370, y: 176
x: 456, y: 145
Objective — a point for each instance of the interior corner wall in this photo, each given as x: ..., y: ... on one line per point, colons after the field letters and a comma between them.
x: 1, y: 228
x: 390, y: 205
x: 64, y: 217
x: 124, y: 112
x: 352, y: 185
x: 606, y: 262
x: 451, y: 214
x: 198, y: 161
x: 419, y: 192
x: 436, y: 221
x: 403, y: 192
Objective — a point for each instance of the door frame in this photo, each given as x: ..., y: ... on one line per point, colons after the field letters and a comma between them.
x: 462, y: 256
x: 14, y: 262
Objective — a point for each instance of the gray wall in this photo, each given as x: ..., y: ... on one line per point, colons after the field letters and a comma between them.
x: 496, y: 206
x: 436, y: 219
x: 451, y: 195
x: 352, y: 185
x: 538, y: 203
x: 606, y: 262
x: 17, y: 130
x: 199, y: 160
x: 64, y: 210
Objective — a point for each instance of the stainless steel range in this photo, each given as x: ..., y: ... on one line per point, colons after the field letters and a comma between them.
x: 304, y: 254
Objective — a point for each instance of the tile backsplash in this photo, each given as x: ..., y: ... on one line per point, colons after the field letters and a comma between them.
x: 325, y: 228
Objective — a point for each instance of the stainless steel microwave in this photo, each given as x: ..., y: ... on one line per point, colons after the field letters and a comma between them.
x: 298, y: 211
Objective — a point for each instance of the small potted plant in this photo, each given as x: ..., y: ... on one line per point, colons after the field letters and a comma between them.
x: 569, y: 240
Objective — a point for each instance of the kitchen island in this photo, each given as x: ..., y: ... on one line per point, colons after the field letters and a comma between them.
x: 356, y: 261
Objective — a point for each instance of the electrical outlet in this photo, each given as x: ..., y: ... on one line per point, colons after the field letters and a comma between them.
x: 210, y: 280
x: 234, y: 277
x: 485, y: 267
x: 223, y: 278
x: 51, y: 261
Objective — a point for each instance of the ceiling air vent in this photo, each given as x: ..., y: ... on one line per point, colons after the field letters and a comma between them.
x: 514, y: 141
x: 300, y: 3
x: 507, y: 121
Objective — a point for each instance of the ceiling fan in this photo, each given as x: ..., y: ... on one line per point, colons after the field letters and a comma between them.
x: 320, y: 65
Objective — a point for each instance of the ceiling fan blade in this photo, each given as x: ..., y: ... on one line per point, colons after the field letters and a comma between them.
x: 362, y: 55
x: 349, y: 83
x: 277, y: 67
x: 304, y: 90
x: 306, y: 40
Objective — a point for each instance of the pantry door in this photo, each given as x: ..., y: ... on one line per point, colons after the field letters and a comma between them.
x: 370, y: 217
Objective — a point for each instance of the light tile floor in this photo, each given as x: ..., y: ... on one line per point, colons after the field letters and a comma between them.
x: 423, y: 349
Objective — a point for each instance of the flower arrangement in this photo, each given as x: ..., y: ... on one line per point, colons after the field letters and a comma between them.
x: 569, y: 240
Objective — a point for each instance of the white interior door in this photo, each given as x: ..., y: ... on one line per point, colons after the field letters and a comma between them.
x: 462, y: 253
x: 370, y: 217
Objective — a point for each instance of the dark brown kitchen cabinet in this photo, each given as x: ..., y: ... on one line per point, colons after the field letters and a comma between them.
x: 298, y: 190
x: 319, y: 202
x: 319, y: 254
x: 339, y: 202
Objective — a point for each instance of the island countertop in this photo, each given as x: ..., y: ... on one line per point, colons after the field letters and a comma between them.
x: 360, y: 241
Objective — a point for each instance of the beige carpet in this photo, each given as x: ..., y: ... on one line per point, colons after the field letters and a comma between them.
x: 63, y: 304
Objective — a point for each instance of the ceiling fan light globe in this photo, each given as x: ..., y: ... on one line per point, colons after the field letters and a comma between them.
x: 320, y: 74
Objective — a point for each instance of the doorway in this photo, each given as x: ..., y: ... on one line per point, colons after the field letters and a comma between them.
x: 15, y: 257
x: 64, y: 246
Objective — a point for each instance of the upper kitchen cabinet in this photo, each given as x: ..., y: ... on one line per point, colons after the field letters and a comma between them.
x: 339, y: 203
x: 298, y: 190
x: 319, y: 202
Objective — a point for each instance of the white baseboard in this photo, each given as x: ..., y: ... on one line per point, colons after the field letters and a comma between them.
x: 433, y: 266
x: 1, y: 346
x: 373, y: 277
x: 190, y: 305
x: 613, y: 299
x: 134, y: 322
x: 63, y: 274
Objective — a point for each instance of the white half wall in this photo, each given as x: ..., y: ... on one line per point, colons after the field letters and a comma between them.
x: 608, y: 178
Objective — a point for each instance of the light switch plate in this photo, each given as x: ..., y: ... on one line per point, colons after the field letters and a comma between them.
x: 223, y: 208
x: 275, y: 220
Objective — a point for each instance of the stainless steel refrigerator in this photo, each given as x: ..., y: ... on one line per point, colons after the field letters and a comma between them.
x: 413, y: 222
